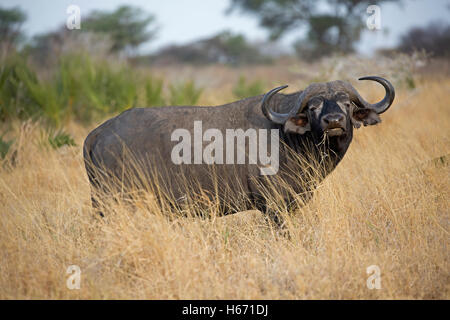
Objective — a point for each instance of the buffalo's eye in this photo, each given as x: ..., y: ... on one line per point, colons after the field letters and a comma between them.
x: 314, y: 104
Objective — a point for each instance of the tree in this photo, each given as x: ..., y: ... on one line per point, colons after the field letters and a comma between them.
x: 332, y: 25
x: 11, y: 21
x: 434, y: 38
x: 224, y: 47
x: 126, y: 26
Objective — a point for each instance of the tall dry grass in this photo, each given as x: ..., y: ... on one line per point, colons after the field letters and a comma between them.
x: 386, y: 204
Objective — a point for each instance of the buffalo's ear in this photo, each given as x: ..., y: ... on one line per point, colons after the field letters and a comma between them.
x: 298, y: 124
x: 367, y: 117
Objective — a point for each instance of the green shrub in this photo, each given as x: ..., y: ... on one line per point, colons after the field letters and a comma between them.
x: 243, y: 90
x: 184, y: 93
x: 153, y: 92
x: 78, y: 87
x: 95, y: 88
x: 59, y: 138
x: 46, y: 99
x: 15, y: 99
x: 81, y: 88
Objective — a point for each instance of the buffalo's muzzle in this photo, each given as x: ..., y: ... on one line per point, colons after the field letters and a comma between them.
x: 334, y: 124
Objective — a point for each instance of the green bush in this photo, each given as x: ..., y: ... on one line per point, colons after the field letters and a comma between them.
x: 184, y: 93
x: 56, y: 138
x: 78, y: 88
x: 242, y: 89
x: 15, y: 100
x: 153, y: 92
x: 95, y: 88
x: 81, y: 88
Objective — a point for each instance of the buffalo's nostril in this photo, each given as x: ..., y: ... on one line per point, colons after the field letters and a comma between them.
x: 333, y: 118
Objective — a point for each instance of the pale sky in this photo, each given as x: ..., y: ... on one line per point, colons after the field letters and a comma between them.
x: 182, y: 21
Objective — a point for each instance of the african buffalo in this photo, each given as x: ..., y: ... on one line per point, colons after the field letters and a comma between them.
x: 302, y: 131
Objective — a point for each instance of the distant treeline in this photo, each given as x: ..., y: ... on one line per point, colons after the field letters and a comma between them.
x: 331, y: 27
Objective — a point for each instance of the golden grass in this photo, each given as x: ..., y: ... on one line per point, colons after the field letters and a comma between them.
x: 386, y: 204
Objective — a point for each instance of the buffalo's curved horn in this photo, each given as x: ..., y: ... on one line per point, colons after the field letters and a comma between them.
x: 302, y: 100
x: 279, y: 118
x: 378, y: 107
